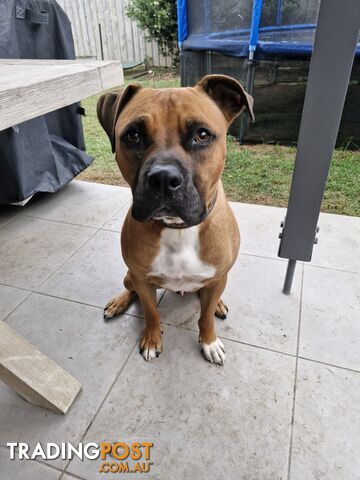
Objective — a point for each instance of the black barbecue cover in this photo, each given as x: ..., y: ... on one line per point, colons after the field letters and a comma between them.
x: 43, y: 154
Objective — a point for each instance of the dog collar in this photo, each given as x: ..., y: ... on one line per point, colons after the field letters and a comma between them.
x: 186, y: 225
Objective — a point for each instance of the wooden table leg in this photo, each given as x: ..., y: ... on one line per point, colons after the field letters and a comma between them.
x: 33, y: 375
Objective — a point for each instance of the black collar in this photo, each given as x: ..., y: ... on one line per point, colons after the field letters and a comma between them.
x: 186, y: 225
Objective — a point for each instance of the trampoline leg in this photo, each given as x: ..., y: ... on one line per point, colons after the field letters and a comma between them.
x: 289, y: 276
x: 250, y: 77
x: 208, y: 63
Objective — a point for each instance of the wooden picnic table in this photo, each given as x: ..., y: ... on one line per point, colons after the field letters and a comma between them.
x: 30, y: 88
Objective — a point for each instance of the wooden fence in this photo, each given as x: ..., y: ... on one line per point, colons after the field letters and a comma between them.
x: 102, y: 30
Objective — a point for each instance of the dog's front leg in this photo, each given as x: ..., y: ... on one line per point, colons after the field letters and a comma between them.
x: 212, y: 347
x: 150, y: 342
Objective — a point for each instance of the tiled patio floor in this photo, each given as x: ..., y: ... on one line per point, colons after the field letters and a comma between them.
x: 286, y: 403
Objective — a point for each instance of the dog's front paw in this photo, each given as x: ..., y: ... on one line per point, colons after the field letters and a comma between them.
x: 150, y: 344
x: 118, y: 305
x: 214, y: 352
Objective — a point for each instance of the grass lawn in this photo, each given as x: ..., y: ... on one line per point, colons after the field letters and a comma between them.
x: 253, y: 173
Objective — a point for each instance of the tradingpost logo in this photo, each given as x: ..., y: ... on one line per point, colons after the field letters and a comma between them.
x: 115, y: 457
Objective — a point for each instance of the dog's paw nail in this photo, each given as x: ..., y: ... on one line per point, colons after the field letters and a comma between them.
x: 214, y: 352
x: 157, y: 353
x: 149, y: 354
x: 141, y: 351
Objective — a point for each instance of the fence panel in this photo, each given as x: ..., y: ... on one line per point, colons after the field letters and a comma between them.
x: 101, y: 29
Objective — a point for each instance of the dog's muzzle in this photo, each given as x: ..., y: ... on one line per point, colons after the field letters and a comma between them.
x: 166, y: 192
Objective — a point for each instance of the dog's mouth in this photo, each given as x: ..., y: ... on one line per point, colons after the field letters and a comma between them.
x: 169, y: 219
x: 178, y: 213
x: 167, y: 216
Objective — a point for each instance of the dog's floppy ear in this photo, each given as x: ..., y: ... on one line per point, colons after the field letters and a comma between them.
x: 228, y: 94
x: 109, y: 107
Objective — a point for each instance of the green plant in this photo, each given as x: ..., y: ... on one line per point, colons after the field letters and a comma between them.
x: 159, y: 19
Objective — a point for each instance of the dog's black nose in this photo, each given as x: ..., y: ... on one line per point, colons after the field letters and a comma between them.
x: 164, y: 178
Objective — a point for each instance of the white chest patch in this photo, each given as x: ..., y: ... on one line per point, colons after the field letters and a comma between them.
x: 178, y: 264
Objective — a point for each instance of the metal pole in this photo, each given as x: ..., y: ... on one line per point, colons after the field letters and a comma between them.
x: 290, y: 270
x: 101, y: 43
x: 250, y: 77
x: 250, y: 73
x: 330, y: 68
x: 208, y: 62
x: 278, y: 12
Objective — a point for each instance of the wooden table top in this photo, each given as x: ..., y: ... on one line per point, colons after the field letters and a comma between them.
x: 30, y: 88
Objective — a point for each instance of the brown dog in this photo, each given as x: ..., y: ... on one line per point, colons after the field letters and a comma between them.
x: 180, y: 233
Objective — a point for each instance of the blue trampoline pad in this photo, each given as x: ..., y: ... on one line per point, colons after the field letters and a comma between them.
x: 285, y: 42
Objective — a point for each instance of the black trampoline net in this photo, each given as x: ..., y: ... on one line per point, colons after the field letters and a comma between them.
x: 208, y: 16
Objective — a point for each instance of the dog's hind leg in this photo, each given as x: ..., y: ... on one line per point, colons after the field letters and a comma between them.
x: 120, y: 303
x: 221, y: 310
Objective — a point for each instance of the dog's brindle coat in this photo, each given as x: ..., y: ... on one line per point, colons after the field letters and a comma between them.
x: 180, y: 234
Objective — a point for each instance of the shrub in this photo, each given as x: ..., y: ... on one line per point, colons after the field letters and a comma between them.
x: 159, y: 19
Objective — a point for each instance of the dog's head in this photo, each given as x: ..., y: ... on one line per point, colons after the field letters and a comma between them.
x: 170, y: 144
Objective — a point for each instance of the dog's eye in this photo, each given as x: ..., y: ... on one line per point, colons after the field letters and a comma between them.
x: 202, y: 137
x: 132, y: 136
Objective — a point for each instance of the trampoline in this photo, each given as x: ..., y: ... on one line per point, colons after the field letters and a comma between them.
x: 332, y: 46
x: 273, y: 37
x: 258, y: 29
